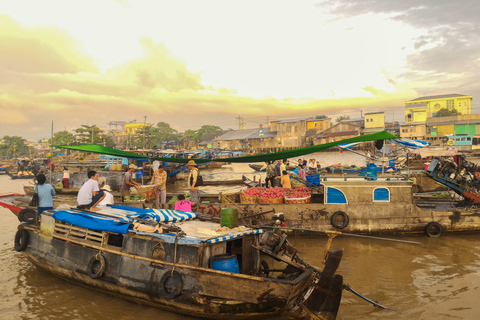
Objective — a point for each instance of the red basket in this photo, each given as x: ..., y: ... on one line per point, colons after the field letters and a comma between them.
x: 299, y: 200
x: 271, y: 200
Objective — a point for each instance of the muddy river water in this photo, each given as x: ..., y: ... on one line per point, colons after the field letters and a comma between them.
x: 438, y: 279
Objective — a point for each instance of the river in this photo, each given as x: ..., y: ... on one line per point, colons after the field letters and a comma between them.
x: 438, y: 279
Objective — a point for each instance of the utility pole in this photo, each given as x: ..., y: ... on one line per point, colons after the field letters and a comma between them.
x: 144, y: 121
x: 240, y: 122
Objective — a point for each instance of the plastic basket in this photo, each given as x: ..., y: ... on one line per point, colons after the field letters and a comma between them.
x: 271, y: 200
x: 147, y: 192
x: 299, y: 200
x: 246, y: 199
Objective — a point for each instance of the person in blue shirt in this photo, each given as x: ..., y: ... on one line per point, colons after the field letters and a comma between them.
x: 45, y: 194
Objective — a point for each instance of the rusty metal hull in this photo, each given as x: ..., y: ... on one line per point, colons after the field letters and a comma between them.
x: 132, y: 273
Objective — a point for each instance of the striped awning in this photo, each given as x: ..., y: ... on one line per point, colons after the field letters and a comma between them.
x: 234, y: 235
x: 409, y: 143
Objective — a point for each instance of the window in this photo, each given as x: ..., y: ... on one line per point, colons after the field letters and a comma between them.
x: 450, y: 104
x: 459, y: 104
x: 381, y: 195
x: 335, y: 196
x: 368, y: 120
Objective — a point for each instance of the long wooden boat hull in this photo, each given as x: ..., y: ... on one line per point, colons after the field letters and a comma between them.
x: 139, y: 268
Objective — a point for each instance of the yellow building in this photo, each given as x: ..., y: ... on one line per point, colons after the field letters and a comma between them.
x: 319, y: 124
x: 132, y: 128
x: 419, y: 109
x: 373, y: 122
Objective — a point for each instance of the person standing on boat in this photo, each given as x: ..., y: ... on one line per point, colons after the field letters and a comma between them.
x: 66, y: 177
x: 192, y: 180
x: 128, y: 181
x: 45, y: 194
x: 285, y: 181
x: 270, y: 170
x: 284, y: 165
x: 160, y: 180
x: 278, y: 173
x: 89, y: 195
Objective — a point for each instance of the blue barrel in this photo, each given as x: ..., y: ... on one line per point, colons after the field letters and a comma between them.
x: 391, y: 163
x: 372, y: 171
x: 226, y: 262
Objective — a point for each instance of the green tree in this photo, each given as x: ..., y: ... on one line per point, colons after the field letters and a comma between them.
x: 13, y: 146
x: 340, y: 118
x: 321, y: 117
x: 188, y: 138
x: 91, y: 134
x: 445, y: 112
x: 63, y: 138
x: 205, y: 130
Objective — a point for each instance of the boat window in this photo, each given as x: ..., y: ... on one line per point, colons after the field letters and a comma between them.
x: 381, y: 195
x: 335, y: 196
x: 115, y: 240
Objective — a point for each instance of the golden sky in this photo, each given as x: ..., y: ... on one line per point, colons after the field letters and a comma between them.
x: 190, y: 63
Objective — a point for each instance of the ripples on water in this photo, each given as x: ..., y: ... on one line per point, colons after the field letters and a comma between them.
x: 439, y: 279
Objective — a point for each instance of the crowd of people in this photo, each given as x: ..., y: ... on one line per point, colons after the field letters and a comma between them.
x: 277, y: 175
x: 92, y: 196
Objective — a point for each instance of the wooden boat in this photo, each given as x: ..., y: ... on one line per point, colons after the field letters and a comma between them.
x: 70, y: 191
x: 257, y: 167
x: 357, y: 205
x: 26, y: 176
x: 194, y: 267
x: 249, y: 183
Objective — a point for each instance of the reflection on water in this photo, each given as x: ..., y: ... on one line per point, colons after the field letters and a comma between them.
x: 438, y: 279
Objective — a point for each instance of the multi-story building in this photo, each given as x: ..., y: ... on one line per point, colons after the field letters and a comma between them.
x: 418, y: 110
x: 290, y: 132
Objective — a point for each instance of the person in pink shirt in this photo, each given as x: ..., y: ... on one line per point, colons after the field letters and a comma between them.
x: 183, y: 205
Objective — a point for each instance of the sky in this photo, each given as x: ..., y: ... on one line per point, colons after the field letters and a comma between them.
x: 211, y: 62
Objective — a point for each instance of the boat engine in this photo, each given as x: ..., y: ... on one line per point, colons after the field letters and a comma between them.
x: 456, y: 170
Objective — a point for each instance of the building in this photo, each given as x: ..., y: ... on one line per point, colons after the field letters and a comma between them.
x: 290, y: 132
x: 343, y: 130
x: 248, y: 139
x: 419, y: 109
x: 319, y: 124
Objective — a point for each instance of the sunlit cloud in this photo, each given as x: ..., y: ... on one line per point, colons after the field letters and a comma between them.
x: 192, y: 63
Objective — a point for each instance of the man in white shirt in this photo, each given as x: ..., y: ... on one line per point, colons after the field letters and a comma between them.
x: 89, y: 195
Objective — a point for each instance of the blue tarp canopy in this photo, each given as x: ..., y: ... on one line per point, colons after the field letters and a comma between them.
x: 118, y: 218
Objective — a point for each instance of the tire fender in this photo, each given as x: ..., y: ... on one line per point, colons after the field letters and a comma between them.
x: 434, y: 229
x: 21, y: 240
x: 96, y: 266
x: 341, y: 215
x: 27, y: 215
x: 171, y: 284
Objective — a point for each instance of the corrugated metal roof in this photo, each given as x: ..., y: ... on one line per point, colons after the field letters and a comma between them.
x: 247, y: 134
x: 291, y: 120
x: 453, y: 95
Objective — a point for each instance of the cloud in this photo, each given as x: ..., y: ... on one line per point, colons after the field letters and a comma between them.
x: 445, y: 53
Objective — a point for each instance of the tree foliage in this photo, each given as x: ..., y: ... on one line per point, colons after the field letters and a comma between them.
x: 205, y: 130
x: 63, y: 138
x: 445, y: 112
x: 320, y: 117
x: 13, y: 146
x: 340, y: 118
